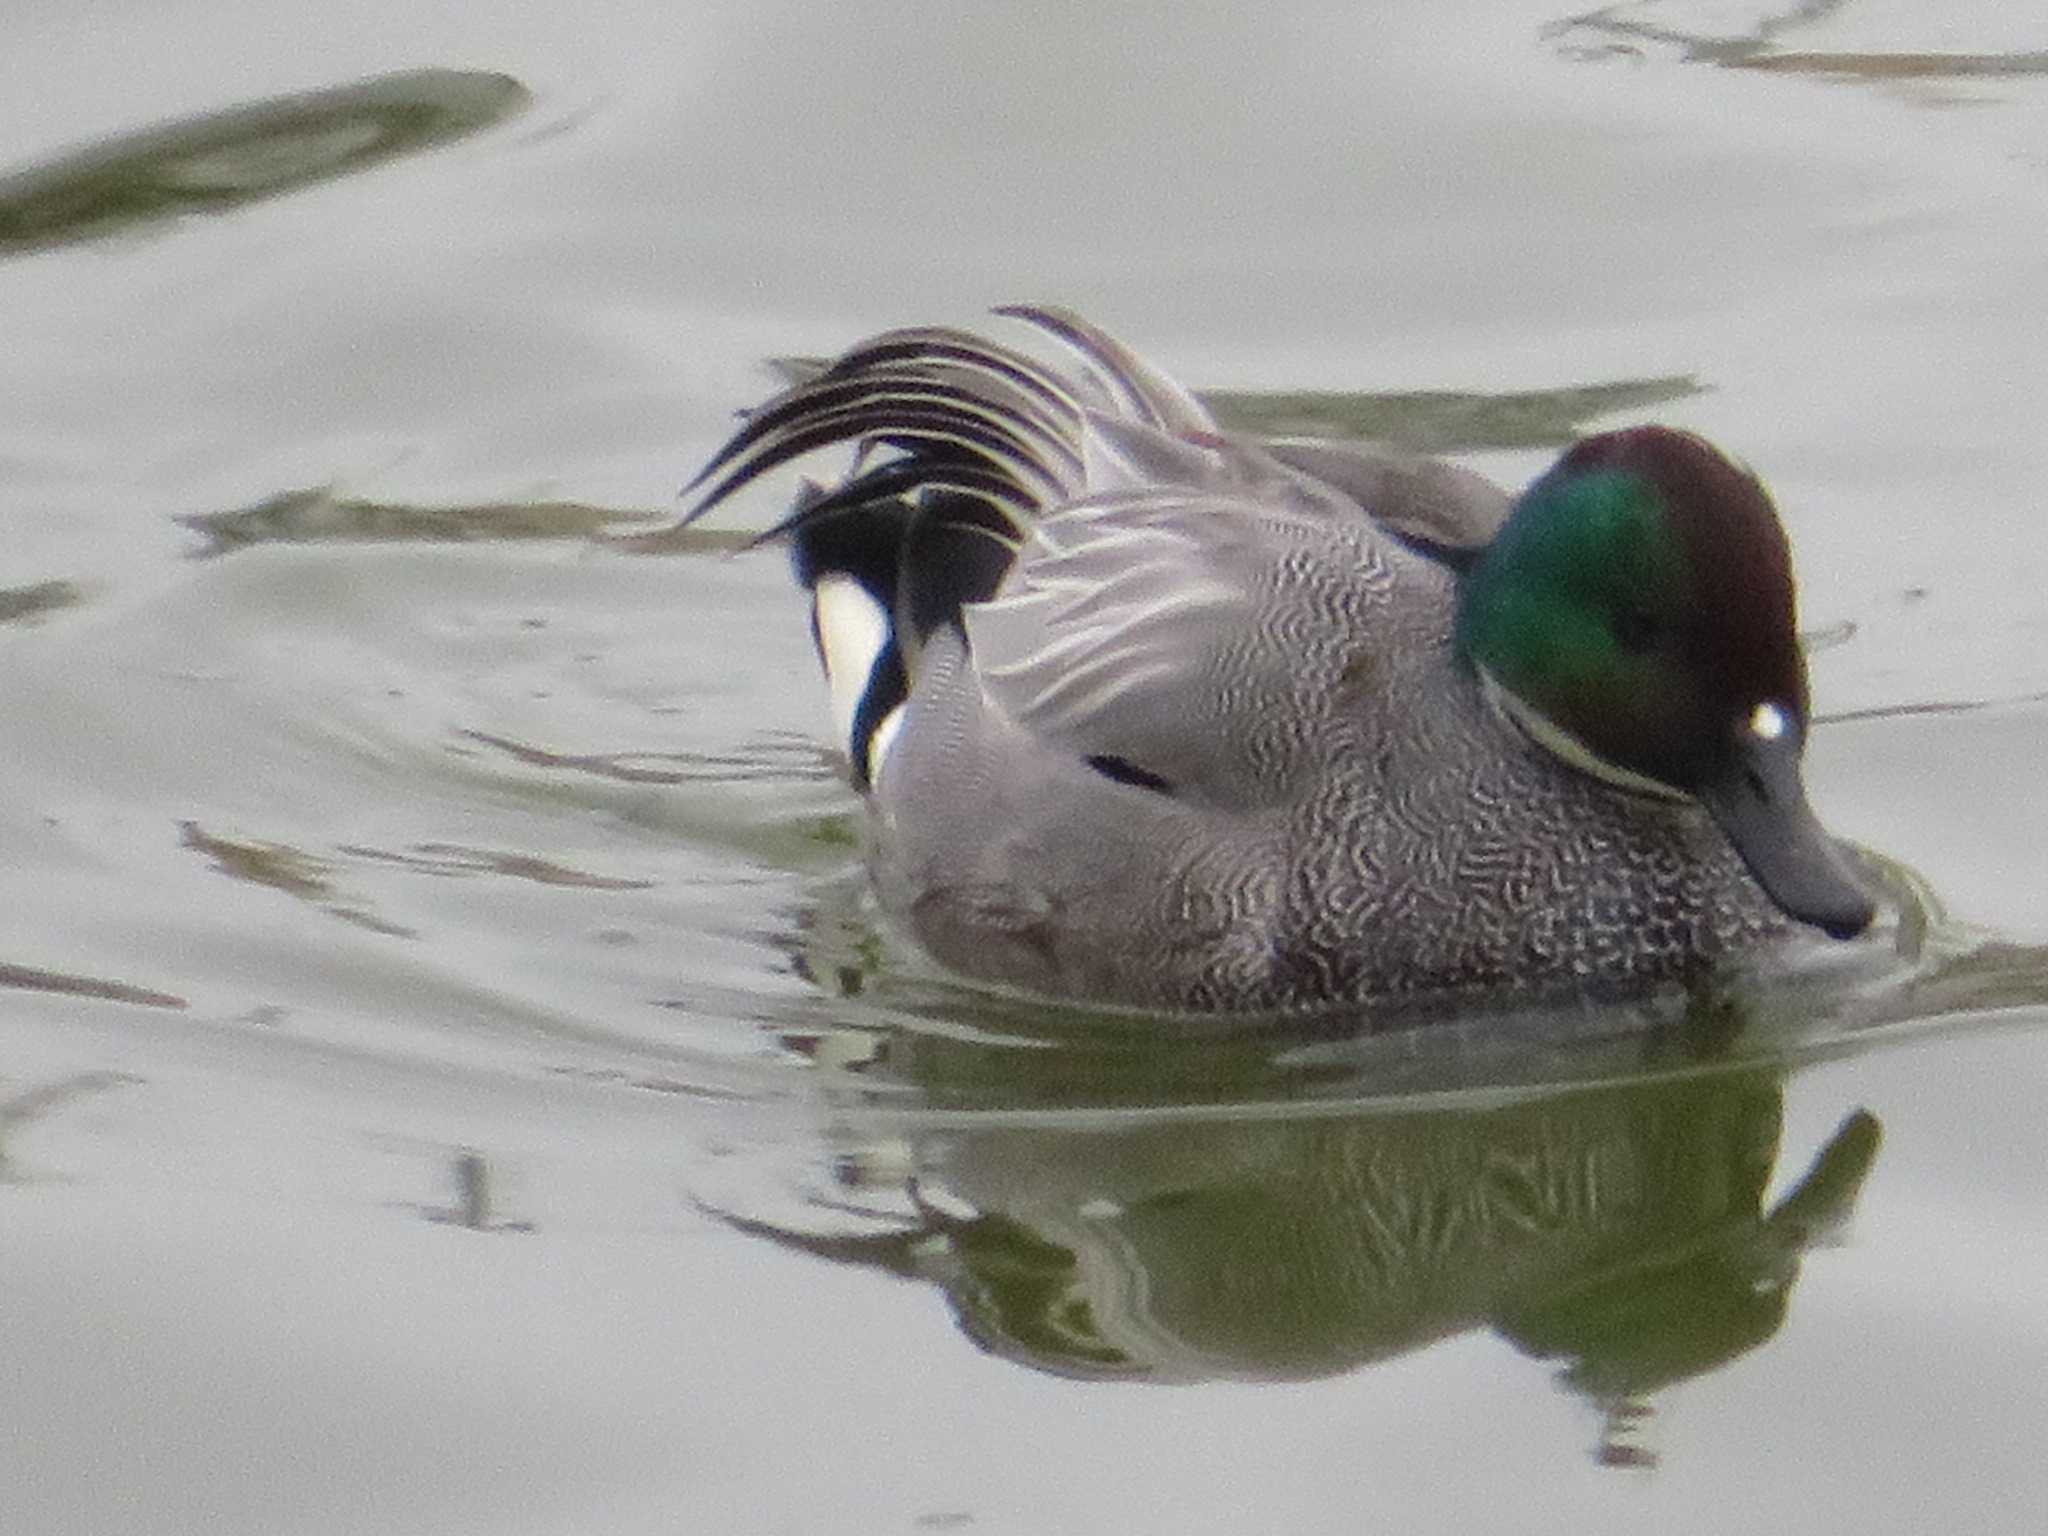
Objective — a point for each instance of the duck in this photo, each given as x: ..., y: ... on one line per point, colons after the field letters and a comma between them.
x: 1148, y: 714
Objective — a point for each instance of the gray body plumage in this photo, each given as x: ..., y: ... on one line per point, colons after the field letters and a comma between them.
x: 1207, y: 743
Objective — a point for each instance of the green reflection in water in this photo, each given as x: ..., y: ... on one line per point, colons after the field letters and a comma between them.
x: 1619, y: 1230
x: 244, y: 154
x: 1116, y: 1199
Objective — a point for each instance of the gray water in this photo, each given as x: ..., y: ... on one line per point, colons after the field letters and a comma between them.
x: 450, y: 1080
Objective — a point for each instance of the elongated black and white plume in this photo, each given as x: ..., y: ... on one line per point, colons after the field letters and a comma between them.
x: 959, y: 443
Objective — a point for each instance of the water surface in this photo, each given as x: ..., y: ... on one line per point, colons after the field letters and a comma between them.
x: 450, y: 1079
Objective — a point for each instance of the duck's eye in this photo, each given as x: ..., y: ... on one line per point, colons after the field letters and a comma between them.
x: 1636, y: 630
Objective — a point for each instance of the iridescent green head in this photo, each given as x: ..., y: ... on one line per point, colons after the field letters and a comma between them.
x: 1635, y: 615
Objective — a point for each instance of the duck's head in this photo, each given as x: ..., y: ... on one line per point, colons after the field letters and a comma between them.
x: 1635, y: 616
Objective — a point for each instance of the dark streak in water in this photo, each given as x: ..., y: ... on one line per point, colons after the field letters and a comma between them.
x: 244, y: 154
x: 674, y: 539
x: 25, y: 604
x: 450, y: 859
x: 318, y: 516
x: 780, y: 762
x: 1624, y: 30
x: 675, y: 1087
x: 32, y: 1104
x: 28, y: 979
x: 1930, y: 707
x: 1902, y: 66
x: 472, y: 1208
x: 286, y: 869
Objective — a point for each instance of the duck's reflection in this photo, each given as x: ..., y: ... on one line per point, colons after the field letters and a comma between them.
x: 1604, y: 1187
x: 1621, y: 1230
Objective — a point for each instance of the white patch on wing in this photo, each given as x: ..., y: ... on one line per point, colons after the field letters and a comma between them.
x: 853, y: 629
